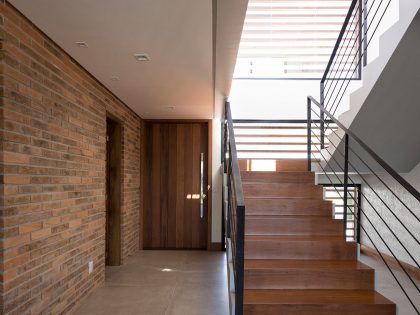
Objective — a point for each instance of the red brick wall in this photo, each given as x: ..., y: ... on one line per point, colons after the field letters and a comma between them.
x: 52, y: 215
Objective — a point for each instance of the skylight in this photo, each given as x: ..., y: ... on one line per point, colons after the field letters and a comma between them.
x: 290, y: 39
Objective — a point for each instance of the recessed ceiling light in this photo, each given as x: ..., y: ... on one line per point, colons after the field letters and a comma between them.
x: 82, y: 44
x: 142, y: 57
x: 115, y: 78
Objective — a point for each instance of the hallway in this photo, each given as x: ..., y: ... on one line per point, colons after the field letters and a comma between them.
x: 163, y: 283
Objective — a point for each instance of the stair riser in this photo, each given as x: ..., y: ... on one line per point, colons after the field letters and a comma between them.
x: 288, y: 207
x: 291, y: 165
x: 292, y: 226
x: 277, y: 177
x: 336, y: 250
x: 316, y: 279
x: 328, y: 309
x: 283, y: 190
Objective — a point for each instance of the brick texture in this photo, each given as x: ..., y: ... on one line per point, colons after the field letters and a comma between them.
x: 53, y: 149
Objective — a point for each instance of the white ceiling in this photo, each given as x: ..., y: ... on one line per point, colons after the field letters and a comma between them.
x: 177, y: 35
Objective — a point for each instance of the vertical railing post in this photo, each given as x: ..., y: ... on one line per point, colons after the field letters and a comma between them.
x: 239, y: 261
x: 365, y: 31
x: 229, y: 196
x: 321, y: 115
x: 346, y: 180
x: 223, y: 161
x: 357, y: 219
x: 309, y: 140
x: 360, y: 43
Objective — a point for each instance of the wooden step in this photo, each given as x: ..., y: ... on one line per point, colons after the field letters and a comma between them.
x: 292, y: 225
x: 288, y: 206
x: 291, y: 165
x: 285, y: 190
x: 316, y: 302
x: 278, y: 177
x: 312, y: 247
x: 297, y: 261
x: 308, y: 274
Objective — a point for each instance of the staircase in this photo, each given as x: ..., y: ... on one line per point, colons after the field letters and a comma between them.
x: 296, y: 258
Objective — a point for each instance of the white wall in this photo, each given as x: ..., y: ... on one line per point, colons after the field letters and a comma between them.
x: 271, y: 99
x: 216, y: 226
x: 414, y: 177
x: 398, y: 209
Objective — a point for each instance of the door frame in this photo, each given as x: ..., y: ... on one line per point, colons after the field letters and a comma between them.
x: 116, y: 197
x: 209, y: 171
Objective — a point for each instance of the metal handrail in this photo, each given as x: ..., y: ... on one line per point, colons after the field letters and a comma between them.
x: 236, y: 208
x: 375, y: 156
x: 345, y: 183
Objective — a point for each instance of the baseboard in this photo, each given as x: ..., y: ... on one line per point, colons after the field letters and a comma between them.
x: 411, y: 270
x: 215, y: 247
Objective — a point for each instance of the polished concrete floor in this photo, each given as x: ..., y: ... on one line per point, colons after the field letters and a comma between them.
x: 193, y: 283
x: 387, y: 286
x: 164, y: 283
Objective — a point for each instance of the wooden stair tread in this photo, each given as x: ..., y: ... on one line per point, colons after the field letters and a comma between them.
x: 292, y: 225
x: 276, y: 173
x: 273, y: 264
x: 284, y: 185
x: 256, y: 296
x: 289, y: 217
x: 288, y: 206
x: 281, y: 197
x: 290, y: 199
x: 274, y: 238
x: 296, y: 190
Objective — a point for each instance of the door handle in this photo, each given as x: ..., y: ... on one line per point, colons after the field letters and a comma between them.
x: 202, y: 195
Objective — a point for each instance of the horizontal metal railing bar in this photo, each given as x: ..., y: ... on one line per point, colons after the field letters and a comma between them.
x: 272, y: 121
x: 314, y: 6
x: 273, y: 158
x: 269, y: 136
x: 271, y: 127
x: 253, y: 2
x: 376, y: 157
x: 300, y: 23
x: 379, y: 178
x: 279, y: 40
x: 271, y: 143
x: 292, y: 15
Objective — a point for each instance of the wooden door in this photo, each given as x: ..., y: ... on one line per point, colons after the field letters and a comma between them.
x: 172, y: 218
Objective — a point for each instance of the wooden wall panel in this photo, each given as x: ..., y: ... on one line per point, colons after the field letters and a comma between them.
x: 173, y: 172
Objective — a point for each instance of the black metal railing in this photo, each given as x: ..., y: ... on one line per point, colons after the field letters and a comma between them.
x: 385, y: 210
x: 235, y: 208
x: 350, y: 51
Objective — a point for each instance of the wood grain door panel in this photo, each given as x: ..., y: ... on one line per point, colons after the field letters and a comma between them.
x: 172, y: 182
